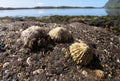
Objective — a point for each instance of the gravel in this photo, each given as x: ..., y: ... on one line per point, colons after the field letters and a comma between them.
x: 55, y: 63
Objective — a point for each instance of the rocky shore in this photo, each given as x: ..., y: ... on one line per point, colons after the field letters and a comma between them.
x: 55, y: 63
x: 111, y: 23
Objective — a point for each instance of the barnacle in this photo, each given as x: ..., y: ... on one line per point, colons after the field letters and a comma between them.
x: 61, y: 34
x: 81, y: 53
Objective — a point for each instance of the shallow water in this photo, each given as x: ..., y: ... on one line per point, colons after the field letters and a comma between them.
x: 69, y: 12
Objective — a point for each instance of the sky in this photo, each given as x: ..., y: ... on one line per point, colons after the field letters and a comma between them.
x: 32, y: 3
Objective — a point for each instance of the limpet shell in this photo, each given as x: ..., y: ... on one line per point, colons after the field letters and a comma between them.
x: 61, y: 34
x: 81, y: 53
x: 34, y: 37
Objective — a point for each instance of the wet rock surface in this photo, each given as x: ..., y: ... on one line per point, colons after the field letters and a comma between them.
x: 55, y: 63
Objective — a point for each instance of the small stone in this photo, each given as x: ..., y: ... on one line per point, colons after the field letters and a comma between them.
x: 6, y: 71
x: 111, y: 43
x: 21, y: 30
x: 105, y: 51
x: 111, y: 39
x: 85, y: 73
x: 4, y: 29
x: 67, y: 54
x: 21, y: 50
x: 109, y: 75
x: 18, y: 40
x: 20, y: 75
x: 28, y: 61
x: 99, y: 74
x: 6, y: 64
x: 118, y: 60
x: 38, y: 71
x: 119, y: 39
x: 19, y: 59
x: 26, y: 79
x: 55, y: 79
x: 63, y: 49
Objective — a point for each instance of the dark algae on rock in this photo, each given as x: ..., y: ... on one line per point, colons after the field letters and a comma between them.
x: 54, y: 63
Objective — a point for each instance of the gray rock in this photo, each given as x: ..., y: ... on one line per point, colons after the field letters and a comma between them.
x: 113, y: 4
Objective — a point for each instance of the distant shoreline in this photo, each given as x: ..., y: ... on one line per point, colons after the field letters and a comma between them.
x: 47, y: 7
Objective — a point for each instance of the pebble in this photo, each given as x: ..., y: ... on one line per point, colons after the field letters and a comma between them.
x: 21, y: 30
x: 20, y: 75
x: 109, y: 75
x: 6, y: 71
x: 119, y: 39
x: 26, y: 79
x: 2, y: 45
x: 19, y: 59
x: 55, y: 79
x: 118, y: 60
x: 4, y: 29
x: 85, y: 73
x: 18, y: 40
x: 105, y: 51
x: 28, y: 61
x: 38, y: 71
x: 111, y: 43
x: 99, y: 74
x: 63, y: 49
x: 6, y: 64
x: 21, y: 50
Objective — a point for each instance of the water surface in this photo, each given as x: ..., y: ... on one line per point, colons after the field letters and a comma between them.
x: 63, y: 12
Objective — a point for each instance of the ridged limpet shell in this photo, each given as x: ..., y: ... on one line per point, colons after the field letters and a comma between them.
x: 61, y: 34
x: 81, y: 53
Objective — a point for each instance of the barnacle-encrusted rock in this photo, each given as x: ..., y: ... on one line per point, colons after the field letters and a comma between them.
x: 81, y: 53
x: 35, y: 37
x: 61, y: 34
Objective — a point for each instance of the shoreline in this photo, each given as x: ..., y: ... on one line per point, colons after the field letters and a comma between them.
x: 110, y: 23
x: 51, y: 7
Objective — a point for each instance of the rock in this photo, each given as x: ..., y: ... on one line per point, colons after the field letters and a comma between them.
x: 4, y: 29
x: 38, y: 71
x: 113, y: 4
x: 20, y: 75
x: 19, y: 59
x: 26, y: 79
x: 6, y: 71
x: 84, y: 73
x: 61, y: 34
x: 2, y: 46
x: 35, y: 37
x: 6, y: 64
x: 118, y: 60
x: 28, y: 61
x: 81, y: 53
x: 98, y: 74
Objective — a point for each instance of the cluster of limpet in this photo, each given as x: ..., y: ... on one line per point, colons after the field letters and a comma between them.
x: 81, y: 53
x: 61, y: 34
x: 34, y: 37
